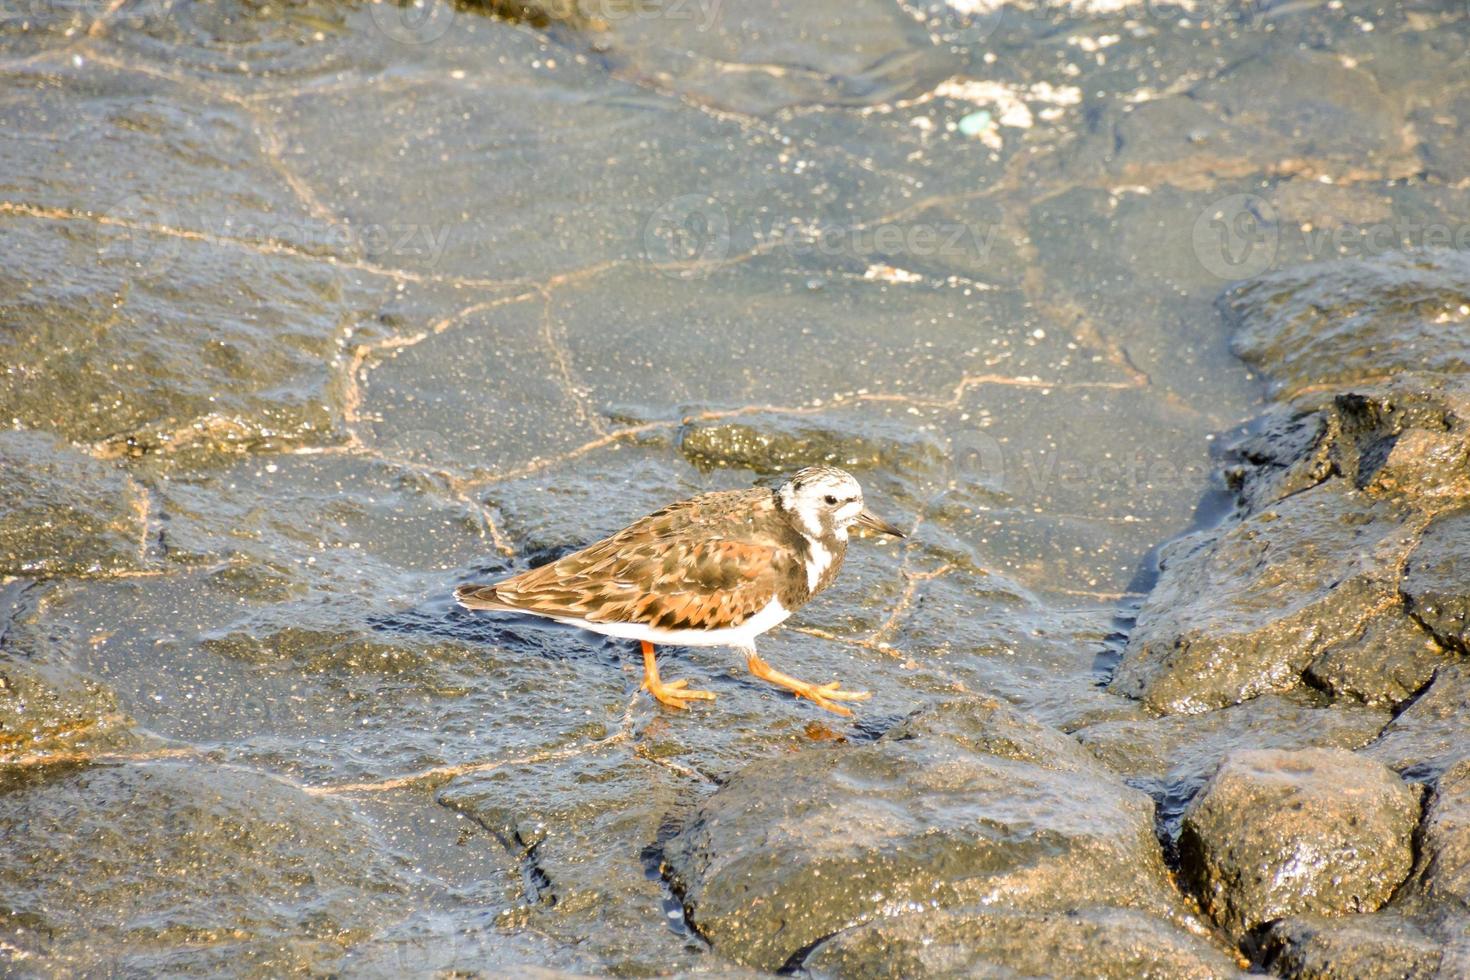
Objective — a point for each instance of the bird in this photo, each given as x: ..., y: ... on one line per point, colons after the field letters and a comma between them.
x: 717, y: 569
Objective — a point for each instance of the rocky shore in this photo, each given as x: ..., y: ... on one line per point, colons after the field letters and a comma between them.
x: 310, y: 312
x: 1317, y: 635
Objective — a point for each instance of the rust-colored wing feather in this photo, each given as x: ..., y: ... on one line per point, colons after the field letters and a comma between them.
x: 699, y: 564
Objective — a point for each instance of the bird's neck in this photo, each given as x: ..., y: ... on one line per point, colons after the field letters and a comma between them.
x: 822, y: 559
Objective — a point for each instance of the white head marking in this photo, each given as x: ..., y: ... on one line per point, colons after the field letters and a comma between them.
x: 823, y: 502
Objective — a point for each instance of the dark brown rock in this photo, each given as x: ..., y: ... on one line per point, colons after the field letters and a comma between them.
x: 1442, y: 872
x: 1180, y: 746
x: 1385, y: 946
x: 1437, y: 580
x: 1433, y: 732
x: 1285, y: 833
x: 1385, y: 664
x: 1343, y: 323
x: 1245, y: 612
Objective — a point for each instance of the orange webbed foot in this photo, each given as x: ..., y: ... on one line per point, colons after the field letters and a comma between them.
x: 822, y: 695
x: 675, y: 694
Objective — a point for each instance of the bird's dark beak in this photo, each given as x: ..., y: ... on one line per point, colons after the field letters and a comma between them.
x: 869, y: 519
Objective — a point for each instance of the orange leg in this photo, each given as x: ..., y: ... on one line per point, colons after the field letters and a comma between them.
x: 825, y: 695
x: 675, y: 694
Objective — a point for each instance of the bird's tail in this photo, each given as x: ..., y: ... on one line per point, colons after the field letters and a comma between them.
x: 480, y: 597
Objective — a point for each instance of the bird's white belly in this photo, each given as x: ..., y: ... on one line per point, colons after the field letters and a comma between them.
x: 773, y: 615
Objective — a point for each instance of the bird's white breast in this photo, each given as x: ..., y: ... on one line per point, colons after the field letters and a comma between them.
x: 818, y: 560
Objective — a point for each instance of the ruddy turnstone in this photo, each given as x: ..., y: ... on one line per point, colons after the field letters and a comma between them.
x: 718, y: 569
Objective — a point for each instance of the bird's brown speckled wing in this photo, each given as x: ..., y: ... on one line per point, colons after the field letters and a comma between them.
x: 700, y: 564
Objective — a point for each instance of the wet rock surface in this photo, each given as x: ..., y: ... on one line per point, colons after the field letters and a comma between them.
x: 1334, y: 581
x: 48, y: 706
x: 1276, y: 833
x: 968, y: 804
x: 1382, y: 945
x: 65, y: 513
x: 1353, y: 322
x: 273, y: 383
x: 237, y: 868
x: 1078, y: 943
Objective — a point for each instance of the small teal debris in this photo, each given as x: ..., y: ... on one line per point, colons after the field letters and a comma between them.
x: 975, y: 122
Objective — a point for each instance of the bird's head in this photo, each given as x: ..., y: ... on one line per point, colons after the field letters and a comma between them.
x: 825, y: 502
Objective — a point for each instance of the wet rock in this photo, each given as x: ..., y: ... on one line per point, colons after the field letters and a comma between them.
x: 1342, y: 116
x: 1385, y: 946
x: 1433, y: 732
x: 64, y: 512
x: 1408, y: 438
x: 1173, y: 756
x: 161, y: 340
x: 1340, y: 323
x: 1386, y: 664
x: 1183, y: 749
x: 865, y: 53
x: 584, y: 834
x: 1284, y: 833
x: 187, y: 866
x: 967, y: 803
x: 777, y: 444
x: 1106, y: 942
x: 1245, y: 612
x: 1437, y: 580
x: 46, y: 704
x: 1442, y: 873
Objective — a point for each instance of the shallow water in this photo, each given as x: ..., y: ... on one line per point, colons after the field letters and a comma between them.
x: 339, y: 305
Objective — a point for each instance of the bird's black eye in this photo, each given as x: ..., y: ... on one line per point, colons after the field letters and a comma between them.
x: 831, y: 500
